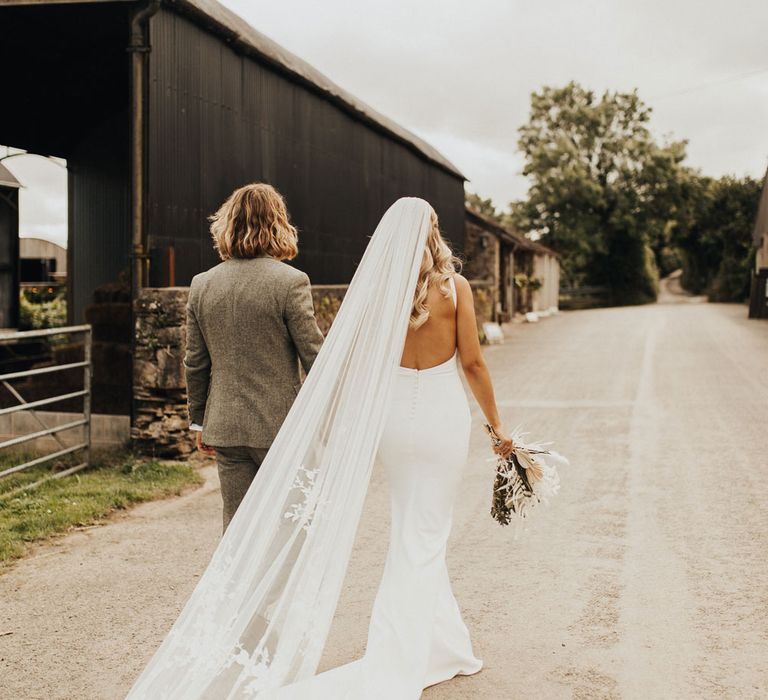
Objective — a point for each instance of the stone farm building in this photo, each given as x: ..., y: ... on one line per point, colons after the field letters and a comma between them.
x: 514, y: 274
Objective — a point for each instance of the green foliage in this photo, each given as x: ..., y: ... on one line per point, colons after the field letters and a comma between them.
x: 114, y: 483
x: 535, y: 283
x: 521, y: 280
x: 622, y: 209
x: 603, y: 192
x: 483, y: 206
x: 41, y: 310
x: 42, y: 293
x: 716, y: 244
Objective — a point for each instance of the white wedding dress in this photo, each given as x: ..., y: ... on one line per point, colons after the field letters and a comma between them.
x: 416, y: 636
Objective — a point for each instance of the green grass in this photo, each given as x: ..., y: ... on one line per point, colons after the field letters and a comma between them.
x: 114, y: 482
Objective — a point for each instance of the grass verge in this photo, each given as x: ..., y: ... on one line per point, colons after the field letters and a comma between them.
x: 114, y: 482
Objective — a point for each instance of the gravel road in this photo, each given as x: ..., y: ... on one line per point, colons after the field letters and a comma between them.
x: 647, y: 579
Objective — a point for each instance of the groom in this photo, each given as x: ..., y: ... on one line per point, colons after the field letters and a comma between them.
x: 250, y: 319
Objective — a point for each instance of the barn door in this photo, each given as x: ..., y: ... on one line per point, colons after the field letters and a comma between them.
x: 505, y: 284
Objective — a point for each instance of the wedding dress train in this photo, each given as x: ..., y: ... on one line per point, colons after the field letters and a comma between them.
x: 416, y: 636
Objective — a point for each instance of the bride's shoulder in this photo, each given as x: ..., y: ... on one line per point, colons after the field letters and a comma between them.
x: 462, y: 284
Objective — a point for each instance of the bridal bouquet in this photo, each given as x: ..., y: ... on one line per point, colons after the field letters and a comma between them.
x: 527, y: 477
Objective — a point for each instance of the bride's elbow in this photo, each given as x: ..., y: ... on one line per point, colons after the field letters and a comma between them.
x: 473, y: 366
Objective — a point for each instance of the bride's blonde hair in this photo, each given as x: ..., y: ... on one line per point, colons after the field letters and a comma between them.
x: 438, y: 265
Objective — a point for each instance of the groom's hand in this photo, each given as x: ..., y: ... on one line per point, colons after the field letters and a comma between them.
x: 205, y: 449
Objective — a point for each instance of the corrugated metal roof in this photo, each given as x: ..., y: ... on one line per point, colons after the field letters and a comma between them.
x: 250, y: 38
x: 761, y: 222
x: 7, y: 178
x: 238, y: 32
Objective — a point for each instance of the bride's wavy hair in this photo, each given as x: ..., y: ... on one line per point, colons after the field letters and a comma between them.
x: 254, y: 221
x: 438, y: 265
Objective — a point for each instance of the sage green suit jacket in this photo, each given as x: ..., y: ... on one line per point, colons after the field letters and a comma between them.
x: 249, y: 322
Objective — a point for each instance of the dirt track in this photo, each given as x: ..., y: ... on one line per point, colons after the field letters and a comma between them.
x: 647, y: 579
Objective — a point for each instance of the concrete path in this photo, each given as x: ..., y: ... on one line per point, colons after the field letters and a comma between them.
x: 647, y: 579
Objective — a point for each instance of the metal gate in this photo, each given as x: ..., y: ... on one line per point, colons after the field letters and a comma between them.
x: 84, y: 446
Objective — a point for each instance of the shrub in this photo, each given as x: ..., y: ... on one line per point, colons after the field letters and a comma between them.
x: 35, y: 315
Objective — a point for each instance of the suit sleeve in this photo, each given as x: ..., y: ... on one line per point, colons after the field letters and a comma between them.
x: 301, y: 323
x: 197, y: 366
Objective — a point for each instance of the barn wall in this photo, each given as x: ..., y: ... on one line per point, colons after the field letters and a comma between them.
x: 218, y: 119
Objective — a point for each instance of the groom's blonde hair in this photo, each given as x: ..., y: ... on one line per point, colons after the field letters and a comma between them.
x: 254, y: 221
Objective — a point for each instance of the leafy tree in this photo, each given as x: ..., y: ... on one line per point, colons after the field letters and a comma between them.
x: 483, y: 206
x: 603, y: 193
x: 716, y: 245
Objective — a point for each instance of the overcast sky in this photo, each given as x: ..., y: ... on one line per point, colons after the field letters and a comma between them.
x: 460, y: 73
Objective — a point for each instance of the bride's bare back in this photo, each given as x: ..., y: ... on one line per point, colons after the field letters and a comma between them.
x: 451, y: 329
x: 434, y: 342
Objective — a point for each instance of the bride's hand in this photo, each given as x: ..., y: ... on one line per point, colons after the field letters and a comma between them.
x: 505, y: 446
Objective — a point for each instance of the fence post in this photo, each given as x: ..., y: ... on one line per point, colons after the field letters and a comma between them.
x: 87, y: 371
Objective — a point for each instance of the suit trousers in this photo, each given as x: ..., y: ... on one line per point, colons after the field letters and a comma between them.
x: 237, y: 467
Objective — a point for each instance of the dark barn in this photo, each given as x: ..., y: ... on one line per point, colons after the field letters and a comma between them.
x: 162, y: 108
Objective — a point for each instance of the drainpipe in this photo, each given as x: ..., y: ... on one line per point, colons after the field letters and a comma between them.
x: 139, y: 48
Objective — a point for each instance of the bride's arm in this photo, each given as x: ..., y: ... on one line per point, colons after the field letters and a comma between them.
x: 473, y: 362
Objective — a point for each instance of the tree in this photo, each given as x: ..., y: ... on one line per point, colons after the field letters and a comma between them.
x: 716, y: 246
x: 483, y: 206
x: 603, y: 193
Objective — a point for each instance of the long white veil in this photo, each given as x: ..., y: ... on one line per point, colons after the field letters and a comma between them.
x: 259, y: 617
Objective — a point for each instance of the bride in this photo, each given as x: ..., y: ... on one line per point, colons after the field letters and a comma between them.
x: 385, y: 383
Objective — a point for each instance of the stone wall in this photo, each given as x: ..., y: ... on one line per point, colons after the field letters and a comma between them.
x: 484, y: 303
x: 482, y: 251
x: 327, y: 299
x: 160, y: 424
